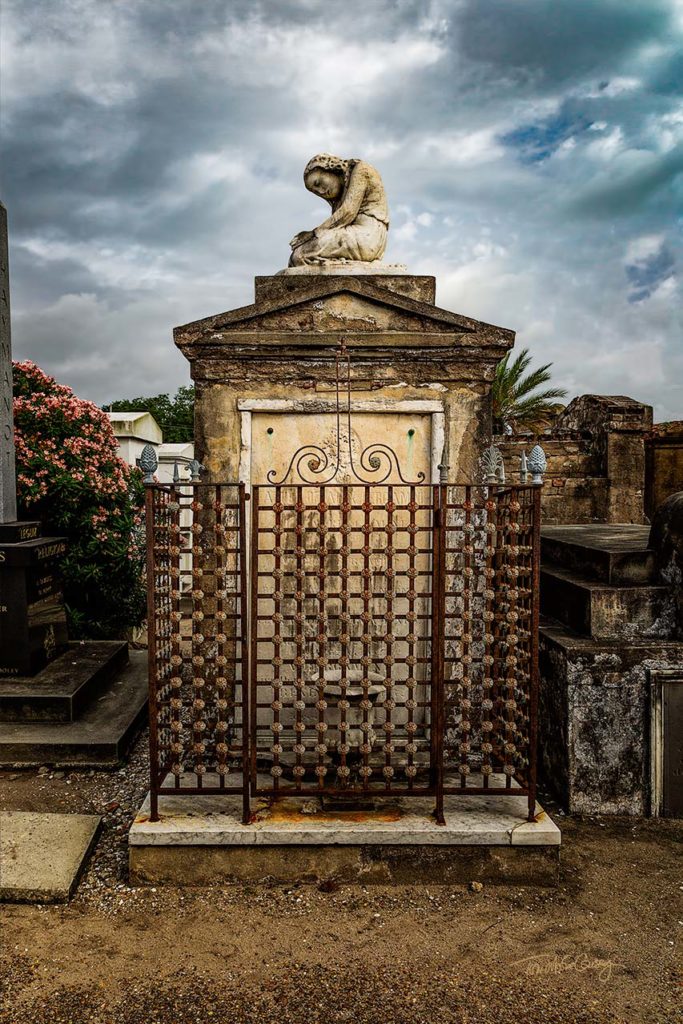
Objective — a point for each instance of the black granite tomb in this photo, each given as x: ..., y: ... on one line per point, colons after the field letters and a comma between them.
x: 33, y: 628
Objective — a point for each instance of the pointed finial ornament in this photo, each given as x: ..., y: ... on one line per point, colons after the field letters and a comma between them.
x: 148, y: 463
x: 443, y: 466
x: 523, y: 468
x: 492, y: 466
x: 537, y: 464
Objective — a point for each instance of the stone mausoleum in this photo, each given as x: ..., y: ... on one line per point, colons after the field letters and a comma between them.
x: 340, y: 419
x: 338, y: 412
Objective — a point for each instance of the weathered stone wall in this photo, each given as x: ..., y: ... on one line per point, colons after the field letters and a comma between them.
x: 663, y: 464
x: 594, y: 720
x: 574, y: 490
x: 282, y: 348
x: 596, y: 461
x: 666, y: 540
x: 617, y: 427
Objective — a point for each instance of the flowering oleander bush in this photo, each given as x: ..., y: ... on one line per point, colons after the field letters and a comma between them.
x: 70, y: 476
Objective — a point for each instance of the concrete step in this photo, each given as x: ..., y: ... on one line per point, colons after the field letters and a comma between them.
x: 43, y: 854
x: 63, y: 689
x: 100, y: 738
x: 612, y: 553
x: 605, y: 612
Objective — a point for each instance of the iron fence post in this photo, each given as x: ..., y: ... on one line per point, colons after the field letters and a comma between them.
x: 244, y: 652
x: 534, y: 681
x: 435, y: 638
x: 151, y: 657
x: 438, y: 640
x: 253, y: 631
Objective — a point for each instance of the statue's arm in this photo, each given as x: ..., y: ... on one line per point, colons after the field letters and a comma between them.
x: 300, y: 238
x: 347, y: 211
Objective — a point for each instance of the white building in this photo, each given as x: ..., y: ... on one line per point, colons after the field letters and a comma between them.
x: 171, y: 454
x: 133, y: 430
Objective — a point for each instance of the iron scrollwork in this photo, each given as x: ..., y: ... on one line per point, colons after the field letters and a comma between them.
x: 313, y: 465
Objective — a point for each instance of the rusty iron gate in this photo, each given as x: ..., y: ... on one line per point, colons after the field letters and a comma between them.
x: 349, y: 640
x: 196, y: 615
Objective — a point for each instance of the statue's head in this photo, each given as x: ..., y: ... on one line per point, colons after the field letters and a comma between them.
x: 326, y: 184
x: 325, y: 175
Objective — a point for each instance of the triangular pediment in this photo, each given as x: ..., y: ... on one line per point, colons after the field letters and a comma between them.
x: 361, y: 305
x: 347, y: 309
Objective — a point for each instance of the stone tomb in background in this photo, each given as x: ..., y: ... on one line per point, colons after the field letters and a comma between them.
x: 32, y: 614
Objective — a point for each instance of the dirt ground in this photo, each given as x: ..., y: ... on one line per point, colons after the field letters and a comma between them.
x: 603, y: 946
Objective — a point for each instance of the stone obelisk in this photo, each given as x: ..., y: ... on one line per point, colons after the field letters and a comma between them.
x: 8, y: 478
x: 32, y: 615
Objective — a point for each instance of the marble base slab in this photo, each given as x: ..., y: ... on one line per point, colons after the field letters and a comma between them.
x: 344, y: 267
x: 215, y: 820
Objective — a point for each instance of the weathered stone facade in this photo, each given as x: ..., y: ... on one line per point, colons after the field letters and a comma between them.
x: 596, y: 461
x: 403, y: 349
x: 593, y: 719
x: 609, y: 627
x: 663, y: 464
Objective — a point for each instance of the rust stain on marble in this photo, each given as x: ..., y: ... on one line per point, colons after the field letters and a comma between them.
x: 284, y: 811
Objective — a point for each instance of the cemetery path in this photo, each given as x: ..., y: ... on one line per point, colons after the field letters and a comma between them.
x: 603, y: 947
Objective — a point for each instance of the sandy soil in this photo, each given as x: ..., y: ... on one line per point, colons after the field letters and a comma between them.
x: 604, y: 946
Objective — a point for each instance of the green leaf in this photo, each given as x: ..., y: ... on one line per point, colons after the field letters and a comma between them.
x: 516, y: 400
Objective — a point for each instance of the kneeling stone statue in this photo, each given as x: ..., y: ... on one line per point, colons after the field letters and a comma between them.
x: 357, y: 228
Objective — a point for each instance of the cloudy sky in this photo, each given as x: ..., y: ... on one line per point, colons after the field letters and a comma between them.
x: 532, y: 151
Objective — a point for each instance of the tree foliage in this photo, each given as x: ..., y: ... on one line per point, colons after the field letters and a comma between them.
x: 517, y: 403
x: 69, y: 476
x: 174, y: 415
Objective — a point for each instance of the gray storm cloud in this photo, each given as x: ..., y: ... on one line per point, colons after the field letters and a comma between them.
x: 152, y: 159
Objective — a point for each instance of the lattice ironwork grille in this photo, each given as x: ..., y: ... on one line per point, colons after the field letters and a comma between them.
x: 342, y: 637
x: 388, y: 643
x: 489, y: 575
x: 197, y: 631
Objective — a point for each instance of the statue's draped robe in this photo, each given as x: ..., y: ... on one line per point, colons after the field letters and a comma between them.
x: 357, y: 229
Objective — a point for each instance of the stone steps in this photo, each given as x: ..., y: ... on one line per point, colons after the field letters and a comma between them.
x: 62, y: 691
x: 599, y: 580
x: 100, y: 737
x: 613, y: 554
x: 604, y: 611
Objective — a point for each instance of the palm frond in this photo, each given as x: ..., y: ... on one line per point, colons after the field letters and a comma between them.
x: 544, y: 397
x: 535, y: 379
x: 516, y: 399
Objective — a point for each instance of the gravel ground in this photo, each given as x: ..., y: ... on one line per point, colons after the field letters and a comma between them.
x: 602, y: 947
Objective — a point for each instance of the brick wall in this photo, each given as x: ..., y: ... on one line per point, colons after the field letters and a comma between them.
x: 596, y: 461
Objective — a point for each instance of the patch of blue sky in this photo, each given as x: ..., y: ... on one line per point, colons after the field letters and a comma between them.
x: 537, y: 141
x: 646, y: 275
